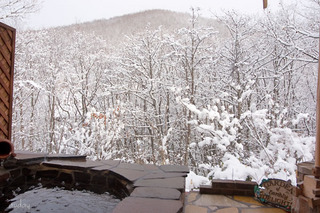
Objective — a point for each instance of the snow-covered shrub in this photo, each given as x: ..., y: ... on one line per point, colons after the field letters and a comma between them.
x: 96, y: 137
x: 266, y: 153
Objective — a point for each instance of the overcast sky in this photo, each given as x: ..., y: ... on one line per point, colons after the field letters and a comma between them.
x: 65, y: 12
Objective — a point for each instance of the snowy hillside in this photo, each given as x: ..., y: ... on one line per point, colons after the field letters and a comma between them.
x: 231, y: 97
x: 114, y: 30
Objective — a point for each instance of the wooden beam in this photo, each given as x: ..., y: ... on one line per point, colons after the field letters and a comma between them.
x: 317, y: 153
x: 265, y: 4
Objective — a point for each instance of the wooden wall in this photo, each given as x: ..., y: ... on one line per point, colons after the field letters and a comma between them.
x: 7, y: 49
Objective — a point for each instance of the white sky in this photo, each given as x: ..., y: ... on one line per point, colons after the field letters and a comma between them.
x: 65, y: 12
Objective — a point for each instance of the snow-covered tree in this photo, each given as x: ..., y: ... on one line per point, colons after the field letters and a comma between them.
x: 227, y: 100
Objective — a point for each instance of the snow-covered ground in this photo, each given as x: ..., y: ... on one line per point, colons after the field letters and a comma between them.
x: 59, y: 200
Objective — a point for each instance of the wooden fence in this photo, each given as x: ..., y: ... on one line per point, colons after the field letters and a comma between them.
x: 7, y: 49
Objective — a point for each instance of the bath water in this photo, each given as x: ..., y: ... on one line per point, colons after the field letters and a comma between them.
x: 56, y: 200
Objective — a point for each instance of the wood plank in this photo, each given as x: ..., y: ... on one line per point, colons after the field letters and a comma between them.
x: 309, y: 184
x: 4, y: 69
x: 297, y: 191
x: 4, y: 100
x: 307, y: 170
x: 316, y: 172
x: 6, y: 54
x: 13, y: 43
x: 316, y: 192
x: 265, y: 4
x: 4, y: 130
x: 6, y: 38
x: 5, y: 86
x: 4, y: 115
x: 315, y: 202
x: 305, y: 201
x: 2, y: 66
x: 2, y: 25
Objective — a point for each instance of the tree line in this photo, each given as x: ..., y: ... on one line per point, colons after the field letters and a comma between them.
x: 189, y: 96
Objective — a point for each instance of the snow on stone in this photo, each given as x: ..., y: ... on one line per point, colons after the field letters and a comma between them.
x: 194, y: 181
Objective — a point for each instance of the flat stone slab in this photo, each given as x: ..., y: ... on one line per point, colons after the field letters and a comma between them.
x: 197, y: 202
x: 26, y: 156
x: 110, y: 162
x: 229, y: 210
x: 102, y: 168
x: 174, y: 183
x: 195, y: 209
x: 131, y: 166
x: 156, y: 192
x: 150, y: 167
x: 246, y: 199
x: 217, y: 200
x: 128, y: 174
x: 160, y: 175
x: 147, y: 205
x: 263, y: 210
x: 174, y: 168
x: 107, y: 165
x: 65, y: 157
x: 72, y: 164
x: 192, y: 196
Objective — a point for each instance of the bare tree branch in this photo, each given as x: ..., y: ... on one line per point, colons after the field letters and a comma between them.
x: 16, y: 9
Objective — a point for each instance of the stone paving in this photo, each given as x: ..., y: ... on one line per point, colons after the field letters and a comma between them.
x: 205, y: 203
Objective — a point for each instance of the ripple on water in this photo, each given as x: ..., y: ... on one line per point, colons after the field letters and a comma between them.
x: 60, y: 200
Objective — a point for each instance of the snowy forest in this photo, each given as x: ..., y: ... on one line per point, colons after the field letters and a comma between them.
x: 232, y: 96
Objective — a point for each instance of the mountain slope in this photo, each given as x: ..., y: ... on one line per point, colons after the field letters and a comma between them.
x: 114, y: 29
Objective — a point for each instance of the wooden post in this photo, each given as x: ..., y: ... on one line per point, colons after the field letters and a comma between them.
x: 317, y: 153
x: 308, y: 197
x: 265, y: 4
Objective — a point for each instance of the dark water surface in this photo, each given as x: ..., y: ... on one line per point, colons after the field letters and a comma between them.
x: 59, y: 200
